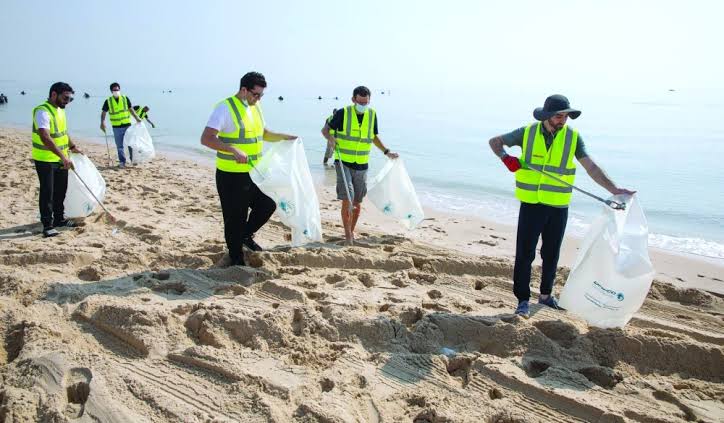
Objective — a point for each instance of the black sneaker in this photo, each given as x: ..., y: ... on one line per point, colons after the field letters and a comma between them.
x: 50, y: 232
x: 65, y: 224
x: 249, y: 243
x: 237, y: 262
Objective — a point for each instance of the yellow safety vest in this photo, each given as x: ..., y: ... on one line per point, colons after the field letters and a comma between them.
x: 329, y: 119
x: 533, y: 187
x: 139, y: 112
x: 58, y: 132
x: 247, y: 137
x: 118, y: 110
x: 355, y: 140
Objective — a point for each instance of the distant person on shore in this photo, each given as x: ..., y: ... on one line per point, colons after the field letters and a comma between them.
x: 120, y: 109
x: 355, y: 130
x: 235, y: 130
x: 330, y: 145
x: 549, y: 145
x: 142, y: 113
x: 3, y: 99
x: 50, y: 146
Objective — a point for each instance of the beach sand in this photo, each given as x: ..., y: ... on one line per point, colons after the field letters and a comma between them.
x: 144, y: 325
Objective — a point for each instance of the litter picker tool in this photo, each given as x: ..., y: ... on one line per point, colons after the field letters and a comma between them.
x: 346, y: 183
x: 108, y: 149
x: 110, y: 216
x: 613, y: 204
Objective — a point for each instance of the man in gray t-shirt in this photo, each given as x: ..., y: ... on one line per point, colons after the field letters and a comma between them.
x: 540, y: 215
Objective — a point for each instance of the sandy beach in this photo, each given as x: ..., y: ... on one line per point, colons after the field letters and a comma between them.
x: 140, y: 321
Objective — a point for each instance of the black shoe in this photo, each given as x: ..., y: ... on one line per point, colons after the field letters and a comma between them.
x: 249, y: 243
x: 65, y: 224
x: 50, y: 232
x: 237, y: 262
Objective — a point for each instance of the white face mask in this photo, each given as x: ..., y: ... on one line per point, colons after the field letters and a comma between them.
x: 360, y: 108
x: 116, y: 94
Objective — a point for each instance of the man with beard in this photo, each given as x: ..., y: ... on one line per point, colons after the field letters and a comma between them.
x: 51, y: 143
x: 235, y: 131
x: 549, y: 145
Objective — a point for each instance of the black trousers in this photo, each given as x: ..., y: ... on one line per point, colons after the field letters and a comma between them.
x: 53, y: 184
x: 535, y: 220
x: 238, y: 193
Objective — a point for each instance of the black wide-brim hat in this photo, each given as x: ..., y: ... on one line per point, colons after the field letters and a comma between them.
x: 553, y: 105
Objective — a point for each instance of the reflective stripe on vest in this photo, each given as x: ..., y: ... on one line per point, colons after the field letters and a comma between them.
x: 139, y: 112
x: 118, y: 111
x: 355, y: 140
x: 58, y: 132
x: 531, y: 186
x: 249, y: 124
x: 329, y: 119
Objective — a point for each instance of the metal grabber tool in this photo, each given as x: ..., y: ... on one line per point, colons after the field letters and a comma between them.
x: 613, y: 204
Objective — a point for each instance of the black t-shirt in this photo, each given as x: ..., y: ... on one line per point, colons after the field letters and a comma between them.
x: 337, y: 123
x: 105, y: 109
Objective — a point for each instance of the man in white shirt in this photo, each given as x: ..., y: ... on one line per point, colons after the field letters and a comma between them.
x: 235, y: 130
x: 50, y: 143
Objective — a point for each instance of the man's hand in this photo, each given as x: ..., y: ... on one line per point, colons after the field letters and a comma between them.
x: 290, y: 137
x: 239, y: 155
x: 103, y: 127
x: 75, y: 149
x: 137, y: 119
x: 153, y: 126
x: 392, y: 155
x: 622, y: 191
x: 512, y: 163
x: 67, y: 164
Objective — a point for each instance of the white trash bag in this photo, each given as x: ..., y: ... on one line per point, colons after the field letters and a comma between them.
x: 283, y: 174
x: 138, y: 138
x: 613, y: 272
x: 78, y: 201
x: 392, y: 192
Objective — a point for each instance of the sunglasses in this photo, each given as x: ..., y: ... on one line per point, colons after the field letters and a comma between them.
x: 66, y: 98
x: 256, y: 95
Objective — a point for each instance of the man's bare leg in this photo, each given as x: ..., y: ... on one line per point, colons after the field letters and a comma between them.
x: 355, y: 215
x: 347, y: 222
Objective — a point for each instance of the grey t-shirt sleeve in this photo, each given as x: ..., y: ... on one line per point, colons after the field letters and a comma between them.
x: 514, y: 138
x: 581, y: 148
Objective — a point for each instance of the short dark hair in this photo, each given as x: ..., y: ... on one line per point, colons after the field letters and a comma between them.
x: 361, y: 91
x: 59, y: 88
x: 251, y: 80
x: 115, y: 84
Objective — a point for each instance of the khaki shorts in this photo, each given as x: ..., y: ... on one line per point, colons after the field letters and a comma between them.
x: 356, y: 182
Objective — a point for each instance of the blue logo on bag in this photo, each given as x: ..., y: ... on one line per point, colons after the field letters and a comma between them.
x: 387, y: 209
x: 619, y: 295
x: 286, y: 207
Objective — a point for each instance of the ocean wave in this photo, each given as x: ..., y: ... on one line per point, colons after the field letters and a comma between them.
x: 697, y: 246
x: 505, y: 210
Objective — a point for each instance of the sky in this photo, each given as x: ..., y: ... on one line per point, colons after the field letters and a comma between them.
x: 410, y: 45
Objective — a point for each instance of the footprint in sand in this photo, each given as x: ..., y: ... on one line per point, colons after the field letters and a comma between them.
x: 77, y: 388
x: 488, y: 243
